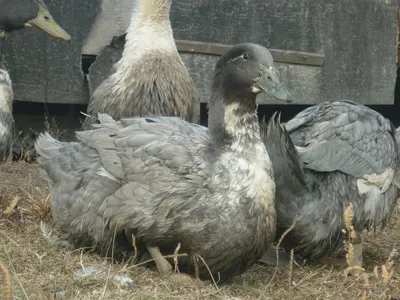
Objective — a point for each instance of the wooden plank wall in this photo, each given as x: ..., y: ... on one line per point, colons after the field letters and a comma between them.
x: 356, y: 39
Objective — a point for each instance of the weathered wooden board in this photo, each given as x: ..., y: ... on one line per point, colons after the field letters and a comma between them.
x: 358, y: 38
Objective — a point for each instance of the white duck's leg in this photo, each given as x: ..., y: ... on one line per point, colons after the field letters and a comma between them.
x: 163, y: 266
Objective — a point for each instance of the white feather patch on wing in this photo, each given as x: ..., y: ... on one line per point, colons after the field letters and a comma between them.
x: 382, y: 180
x: 103, y: 172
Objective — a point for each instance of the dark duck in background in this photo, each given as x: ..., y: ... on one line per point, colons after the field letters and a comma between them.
x: 15, y: 15
x: 327, y: 157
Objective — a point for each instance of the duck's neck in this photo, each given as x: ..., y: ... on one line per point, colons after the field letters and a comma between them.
x: 242, y: 157
x: 233, y: 122
x: 149, y: 30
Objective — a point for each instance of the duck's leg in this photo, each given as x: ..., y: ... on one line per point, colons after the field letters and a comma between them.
x: 356, y: 260
x: 358, y: 246
x: 163, y: 266
x: 330, y: 261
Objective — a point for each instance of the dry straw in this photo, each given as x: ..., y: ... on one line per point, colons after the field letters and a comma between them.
x: 6, y: 282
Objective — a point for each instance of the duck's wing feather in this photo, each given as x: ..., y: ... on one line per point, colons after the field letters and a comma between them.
x: 131, y: 145
x: 344, y: 136
x: 287, y: 165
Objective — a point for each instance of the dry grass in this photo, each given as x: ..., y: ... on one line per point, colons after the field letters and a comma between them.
x: 24, y: 140
x: 6, y: 283
x: 41, y: 269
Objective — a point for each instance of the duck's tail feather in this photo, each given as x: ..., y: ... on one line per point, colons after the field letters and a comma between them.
x: 61, y: 161
x: 46, y: 145
x: 287, y: 165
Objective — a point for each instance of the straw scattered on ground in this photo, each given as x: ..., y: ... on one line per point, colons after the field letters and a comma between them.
x: 42, y: 268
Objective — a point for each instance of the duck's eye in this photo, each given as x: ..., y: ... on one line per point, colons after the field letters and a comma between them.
x: 245, y: 56
x: 46, y: 18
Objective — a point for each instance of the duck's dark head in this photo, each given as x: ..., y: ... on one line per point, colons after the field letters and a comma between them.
x: 18, y: 14
x: 240, y: 75
x: 248, y: 69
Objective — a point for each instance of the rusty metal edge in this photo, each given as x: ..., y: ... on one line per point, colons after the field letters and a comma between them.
x: 283, y: 56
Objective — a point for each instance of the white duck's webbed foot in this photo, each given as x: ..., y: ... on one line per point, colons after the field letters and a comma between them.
x: 163, y: 266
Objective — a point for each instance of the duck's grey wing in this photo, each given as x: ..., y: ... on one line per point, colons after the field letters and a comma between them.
x: 156, y: 157
x: 170, y: 140
x: 344, y: 136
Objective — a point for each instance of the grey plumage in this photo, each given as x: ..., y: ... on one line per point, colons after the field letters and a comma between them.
x: 150, y: 79
x: 6, y: 100
x: 6, y: 119
x: 337, y: 146
x: 168, y: 181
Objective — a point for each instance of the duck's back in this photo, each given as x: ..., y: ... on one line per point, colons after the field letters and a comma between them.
x: 344, y: 136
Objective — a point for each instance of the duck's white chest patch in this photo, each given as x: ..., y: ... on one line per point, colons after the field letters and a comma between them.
x: 252, y: 176
x: 262, y: 188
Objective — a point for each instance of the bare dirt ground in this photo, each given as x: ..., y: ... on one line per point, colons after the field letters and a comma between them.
x: 41, y: 269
